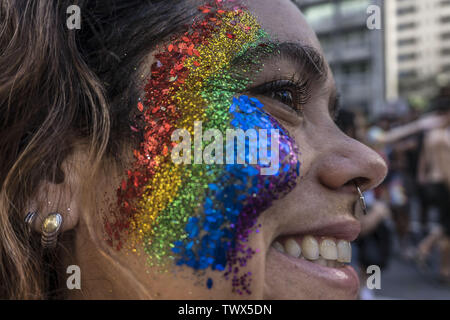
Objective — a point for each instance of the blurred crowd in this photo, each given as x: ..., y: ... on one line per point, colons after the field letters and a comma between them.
x: 409, y: 213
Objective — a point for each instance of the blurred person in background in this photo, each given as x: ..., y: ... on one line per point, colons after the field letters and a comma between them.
x: 434, y: 174
x: 402, y: 185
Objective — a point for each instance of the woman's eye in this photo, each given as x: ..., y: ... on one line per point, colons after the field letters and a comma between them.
x: 284, y: 96
x: 291, y: 95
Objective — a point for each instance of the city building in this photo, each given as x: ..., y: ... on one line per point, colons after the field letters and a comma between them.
x: 417, y: 47
x: 355, y: 52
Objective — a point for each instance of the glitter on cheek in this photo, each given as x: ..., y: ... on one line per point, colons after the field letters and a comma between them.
x: 236, y: 199
x: 201, y: 215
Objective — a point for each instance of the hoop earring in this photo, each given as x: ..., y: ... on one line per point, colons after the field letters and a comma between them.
x: 362, y: 200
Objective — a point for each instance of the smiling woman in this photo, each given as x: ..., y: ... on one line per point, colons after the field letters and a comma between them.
x: 87, y: 121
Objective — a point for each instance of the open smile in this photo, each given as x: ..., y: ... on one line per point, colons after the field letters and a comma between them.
x: 322, y: 254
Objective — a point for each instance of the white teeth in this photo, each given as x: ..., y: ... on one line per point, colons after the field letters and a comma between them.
x: 310, y: 248
x: 328, y: 249
x: 278, y: 246
x: 327, y: 253
x: 292, y: 248
x: 344, y: 251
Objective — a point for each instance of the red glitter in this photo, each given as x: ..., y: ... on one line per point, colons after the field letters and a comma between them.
x: 230, y: 35
x: 159, y: 115
x: 205, y: 8
x: 190, y: 50
x: 182, y: 46
x: 165, y: 151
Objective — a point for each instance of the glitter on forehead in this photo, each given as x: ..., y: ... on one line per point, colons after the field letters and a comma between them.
x: 200, y: 215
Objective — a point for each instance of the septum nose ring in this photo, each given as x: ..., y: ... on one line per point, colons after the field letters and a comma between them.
x: 362, y: 201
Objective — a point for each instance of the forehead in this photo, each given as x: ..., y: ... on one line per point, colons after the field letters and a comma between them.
x: 283, y: 21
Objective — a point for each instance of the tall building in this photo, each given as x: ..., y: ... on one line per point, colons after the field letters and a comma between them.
x: 417, y: 46
x: 355, y: 53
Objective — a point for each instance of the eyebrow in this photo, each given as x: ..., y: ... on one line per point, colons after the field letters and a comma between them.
x: 307, y: 61
x: 305, y: 58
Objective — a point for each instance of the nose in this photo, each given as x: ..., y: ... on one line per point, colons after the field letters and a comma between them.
x: 347, y: 162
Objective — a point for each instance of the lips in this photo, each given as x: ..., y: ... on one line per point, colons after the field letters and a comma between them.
x: 320, y: 254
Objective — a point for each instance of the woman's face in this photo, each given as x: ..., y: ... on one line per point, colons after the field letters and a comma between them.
x: 311, y: 202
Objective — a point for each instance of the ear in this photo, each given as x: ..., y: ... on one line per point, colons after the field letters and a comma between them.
x: 63, y: 197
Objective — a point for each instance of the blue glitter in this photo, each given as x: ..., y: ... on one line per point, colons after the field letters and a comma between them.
x: 232, y: 204
x: 209, y: 283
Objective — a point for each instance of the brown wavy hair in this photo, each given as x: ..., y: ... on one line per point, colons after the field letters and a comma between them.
x: 59, y: 87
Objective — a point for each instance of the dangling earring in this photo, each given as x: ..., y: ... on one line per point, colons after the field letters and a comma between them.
x: 50, y: 228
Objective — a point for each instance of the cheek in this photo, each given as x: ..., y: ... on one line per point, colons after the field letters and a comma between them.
x: 305, y: 138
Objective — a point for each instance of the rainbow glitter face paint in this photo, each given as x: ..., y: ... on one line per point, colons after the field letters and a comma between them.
x: 235, y: 153
x: 201, y: 215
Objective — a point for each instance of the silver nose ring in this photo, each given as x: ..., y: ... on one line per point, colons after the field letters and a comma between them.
x: 362, y: 201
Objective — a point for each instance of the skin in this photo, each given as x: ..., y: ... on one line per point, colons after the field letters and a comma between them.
x: 330, y: 161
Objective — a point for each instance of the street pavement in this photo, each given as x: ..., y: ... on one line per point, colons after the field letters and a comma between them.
x: 402, y: 279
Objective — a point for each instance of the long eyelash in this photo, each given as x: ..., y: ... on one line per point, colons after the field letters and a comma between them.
x: 301, y: 90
